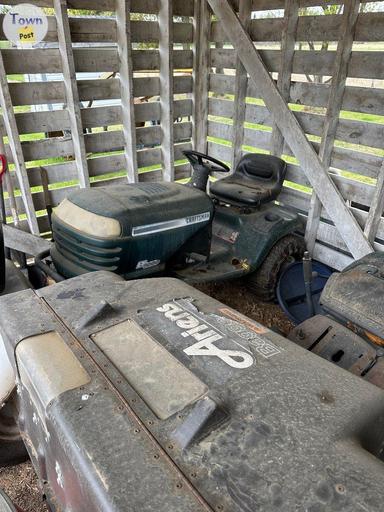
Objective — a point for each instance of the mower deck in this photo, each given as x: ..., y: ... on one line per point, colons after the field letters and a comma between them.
x: 177, y: 402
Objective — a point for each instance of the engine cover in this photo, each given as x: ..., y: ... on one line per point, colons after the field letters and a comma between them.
x: 128, y: 229
x: 355, y: 296
x: 149, y: 395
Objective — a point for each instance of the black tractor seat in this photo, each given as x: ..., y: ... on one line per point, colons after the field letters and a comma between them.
x: 257, y: 180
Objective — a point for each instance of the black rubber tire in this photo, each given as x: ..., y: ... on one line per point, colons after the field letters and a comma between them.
x: 263, y: 281
x: 12, y: 448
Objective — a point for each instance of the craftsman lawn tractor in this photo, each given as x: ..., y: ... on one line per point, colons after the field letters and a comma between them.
x: 350, y: 332
x: 149, y: 395
x: 152, y: 229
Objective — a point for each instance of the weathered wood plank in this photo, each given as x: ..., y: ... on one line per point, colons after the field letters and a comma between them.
x: 71, y: 91
x: 241, y: 85
x: 356, y: 99
x: 35, y: 93
x: 202, y: 28
x: 369, y: 28
x: 289, y: 126
x: 288, y: 39
x: 331, y: 257
x: 331, y: 121
x: 376, y: 208
x: 181, y: 7
x: 98, y: 142
x: 16, y: 149
x: 166, y: 39
x: 19, y: 240
x: 98, y: 166
x: 362, y: 65
x: 363, y: 164
x: 355, y: 132
x: 327, y: 233
x: 88, y: 60
x: 124, y: 47
x: 103, y: 30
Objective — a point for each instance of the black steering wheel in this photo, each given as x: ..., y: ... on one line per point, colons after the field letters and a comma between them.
x: 200, y: 159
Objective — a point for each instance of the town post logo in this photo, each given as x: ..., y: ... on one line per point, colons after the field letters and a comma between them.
x: 25, y: 25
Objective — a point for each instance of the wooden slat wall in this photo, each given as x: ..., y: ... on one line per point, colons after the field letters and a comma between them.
x: 357, y: 155
x: 46, y: 128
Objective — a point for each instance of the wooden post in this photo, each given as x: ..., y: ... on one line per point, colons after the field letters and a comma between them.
x: 292, y: 131
x: 124, y: 46
x: 335, y: 101
x: 72, y: 93
x: 166, y: 87
x: 288, y: 40
x: 16, y: 149
x: 7, y: 181
x: 202, y: 31
x: 376, y: 209
x: 241, y: 85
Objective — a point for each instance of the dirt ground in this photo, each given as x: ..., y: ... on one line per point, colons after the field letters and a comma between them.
x: 20, y: 481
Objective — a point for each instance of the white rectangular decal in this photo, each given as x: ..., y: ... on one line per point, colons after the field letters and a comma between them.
x: 157, y: 227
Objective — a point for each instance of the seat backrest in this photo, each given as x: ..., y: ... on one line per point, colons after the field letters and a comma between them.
x: 267, y: 169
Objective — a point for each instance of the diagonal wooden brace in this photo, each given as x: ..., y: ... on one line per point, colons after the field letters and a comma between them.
x: 290, y: 128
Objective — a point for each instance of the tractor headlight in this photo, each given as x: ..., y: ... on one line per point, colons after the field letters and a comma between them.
x: 87, y: 222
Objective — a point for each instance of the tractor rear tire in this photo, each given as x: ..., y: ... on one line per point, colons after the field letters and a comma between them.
x: 12, y: 449
x: 263, y: 282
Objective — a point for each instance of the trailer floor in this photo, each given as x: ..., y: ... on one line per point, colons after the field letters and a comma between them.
x: 20, y: 481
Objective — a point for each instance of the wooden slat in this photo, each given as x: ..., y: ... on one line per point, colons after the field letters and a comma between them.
x: 356, y: 99
x: 166, y: 87
x: 336, y: 94
x: 16, y: 149
x: 241, y: 85
x: 364, y: 64
x: 331, y: 257
x: 8, y: 187
x: 355, y: 132
x: 369, y: 28
x: 103, y: 30
x: 19, y: 240
x: 376, y: 207
x: 292, y: 132
x: 181, y: 7
x: 124, y: 46
x: 327, y: 233
x: 98, y: 166
x: 202, y: 28
x: 35, y: 93
x: 288, y: 39
x: 88, y: 60
x: 71, y: 91
x: 97, y: 142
